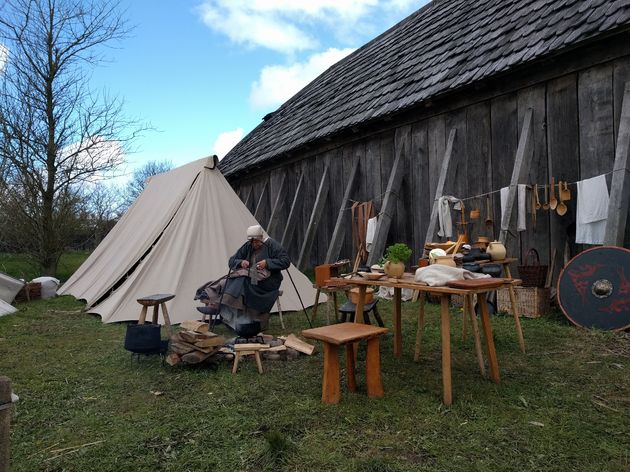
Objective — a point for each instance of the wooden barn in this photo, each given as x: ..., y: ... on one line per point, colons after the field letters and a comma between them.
x: 461, y: 98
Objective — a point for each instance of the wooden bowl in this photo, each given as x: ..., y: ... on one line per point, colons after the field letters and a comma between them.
x: 372, y: 275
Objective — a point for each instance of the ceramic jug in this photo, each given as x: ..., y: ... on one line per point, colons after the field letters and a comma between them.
x: 497, y: 251
x: 394, y: 269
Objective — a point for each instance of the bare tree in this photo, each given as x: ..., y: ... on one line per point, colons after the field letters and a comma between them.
x: 139, y: 179
x: 55, y: 132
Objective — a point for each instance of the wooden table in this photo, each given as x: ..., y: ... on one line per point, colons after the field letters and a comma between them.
x: 407, y: 281
x: 347, y: 334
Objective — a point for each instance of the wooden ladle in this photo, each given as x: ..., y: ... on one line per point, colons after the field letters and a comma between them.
x: 546, y: 204
x: 565, y: 193
x: 537, y: 204
x: 553, y: 203
x: 488, y: 213
x: 561, y: 209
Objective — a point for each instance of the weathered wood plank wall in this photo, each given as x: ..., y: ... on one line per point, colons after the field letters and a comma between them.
x: 575, y: 122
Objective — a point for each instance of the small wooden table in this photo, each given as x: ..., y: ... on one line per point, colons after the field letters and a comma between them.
x: 337, y: 335
x: 407, y: 281
x: 156, y: 301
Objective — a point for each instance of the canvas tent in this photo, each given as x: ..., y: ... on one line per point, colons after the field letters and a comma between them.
x: 9, y: 288
x: 177, y: 235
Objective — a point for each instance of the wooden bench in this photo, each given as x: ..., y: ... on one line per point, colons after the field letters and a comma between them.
x: 337, y: 335
x: 156, y: 301
x: 248, y: 349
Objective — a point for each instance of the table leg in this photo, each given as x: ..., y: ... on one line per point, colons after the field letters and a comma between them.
x: 446, y: 350
x: 330, y: 384
x: 315, y: 305
x: 464, y: 318
x: 420, y: 328
x: 517, y: 318
x: 351, y: 382
x: 155, y: 314
x: 143, y: 315
x: 167, y: 320
x: 336, y: 304
x: 487, y: 331
x: 397, y: 323
x: 373, y: 369
x: 358, y: 312
x: 258, y: 361
x: 237, y: 357
x: 469, y: 310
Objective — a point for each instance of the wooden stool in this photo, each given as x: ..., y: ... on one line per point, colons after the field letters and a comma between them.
x: 350, y: 308
x: 348, y: 333
x: 248, y: 349
x: 156, y: 301
x: 329, y: 290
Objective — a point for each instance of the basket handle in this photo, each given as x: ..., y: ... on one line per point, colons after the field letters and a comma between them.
x: 532, y: 252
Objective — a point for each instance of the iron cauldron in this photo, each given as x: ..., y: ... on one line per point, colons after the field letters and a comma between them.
x: 143, y: 338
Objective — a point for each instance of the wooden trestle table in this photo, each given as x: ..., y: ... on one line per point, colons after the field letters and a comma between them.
x: 407, y: 281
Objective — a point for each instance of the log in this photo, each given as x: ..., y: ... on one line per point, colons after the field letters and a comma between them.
x: 173, y: 359
x: 250, y: 347
x: 275, y: 348
x: 194, y: 336
x: 195, y: 357
x: 181, y: 347
x: 294, y: 342
x: 194, y: 325
x: 210, y: 342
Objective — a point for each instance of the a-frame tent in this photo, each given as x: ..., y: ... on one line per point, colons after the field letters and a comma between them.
x: 177, y: 235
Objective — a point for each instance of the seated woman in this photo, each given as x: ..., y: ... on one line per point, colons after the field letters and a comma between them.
x: 254, y: 280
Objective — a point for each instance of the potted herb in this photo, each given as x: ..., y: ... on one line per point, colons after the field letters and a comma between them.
x: 395, y: 257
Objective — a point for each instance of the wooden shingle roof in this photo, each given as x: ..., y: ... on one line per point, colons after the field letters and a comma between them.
x: 446, y: 45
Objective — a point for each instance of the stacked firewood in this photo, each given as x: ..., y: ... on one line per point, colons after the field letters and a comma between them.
x: 193, y: 344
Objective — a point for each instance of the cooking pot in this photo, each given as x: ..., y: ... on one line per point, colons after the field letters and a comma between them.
x: 248, y: 330
x: 143, y: 338
x: 471, y: 266
x: 494, y: 270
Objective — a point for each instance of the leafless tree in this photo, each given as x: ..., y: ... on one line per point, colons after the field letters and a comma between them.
x: 139, y: 179
x: 56, y: 133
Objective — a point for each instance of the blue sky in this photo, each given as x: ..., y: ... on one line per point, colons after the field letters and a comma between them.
x: 203, y: 73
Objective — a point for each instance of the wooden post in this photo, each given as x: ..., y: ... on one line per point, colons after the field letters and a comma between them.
x: 340, y: 226
x: 5, y: 422
x: 519, y: 173
x: 259, y: 205
x: 439, y: 190
x: 274, y: 221
x: 248, y: 198
x: 620, y: 187
x: 293, y: 213
x: 389, y: 206
x: 316, y: 215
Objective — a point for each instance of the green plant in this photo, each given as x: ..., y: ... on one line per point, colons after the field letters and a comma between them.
x: 398, y: 252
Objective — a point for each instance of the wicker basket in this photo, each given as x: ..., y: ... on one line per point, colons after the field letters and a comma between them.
x: 534, y: 274
x: 353, y: 295
x: 533, y: 302
x: 30, y: 291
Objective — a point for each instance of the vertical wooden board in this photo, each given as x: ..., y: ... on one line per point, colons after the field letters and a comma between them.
x: 504, y: 125
x: 359, y: 152
x: 595, y: 108
x: 324, y: 227
x: 402, y: 228
x: 372, y: 174
x: 347, y: 156
x: 421, y: 200
x: 303, y: 208
x: 314, y: 172
x: 534, y: 97
x: 479, y: 176
x: 621, y: 75
x: 457, y: 176
x: 564, y: 159
x: 337, y: 187
x: 388, y: 149
x: 436, y: 139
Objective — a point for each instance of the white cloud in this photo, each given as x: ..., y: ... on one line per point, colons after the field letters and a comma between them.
x: 226, y: 141
x: 277, y: 84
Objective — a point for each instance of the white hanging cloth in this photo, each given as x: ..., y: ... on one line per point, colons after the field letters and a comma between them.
x: 592, y: 210
x: 521, y: 223
x: 370, y: 232
x: 444, y: 215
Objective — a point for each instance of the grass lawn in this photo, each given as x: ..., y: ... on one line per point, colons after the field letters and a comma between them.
x: 21, y: 267
x: 564, y: 405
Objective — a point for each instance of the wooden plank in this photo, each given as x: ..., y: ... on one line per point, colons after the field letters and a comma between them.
x: 620, y: 188
x: 293, y: 213
x: 403, y: 217
x: 563, y: 155
x: 595, y: 99
x: 439, y: 189
x: 343, y: 220
x: 316, y: 214
x: 249, y: 198
x: 322, y: 235
x: 389, y: 202
x: 274, y: 227
x: 420, y: 196
x: 437, y: 139
x: 296, y: 343
x: 261, y: 204
x: 621, y: 75
x: 194, y: 325
x: 519, y: 174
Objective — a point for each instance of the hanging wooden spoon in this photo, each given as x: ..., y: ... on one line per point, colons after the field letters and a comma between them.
x: 553, y: 203
x: 488, y: 213
x: 536, y: 200
x: 546, y: 204
x: 562, y: 207
x: 565, y: 192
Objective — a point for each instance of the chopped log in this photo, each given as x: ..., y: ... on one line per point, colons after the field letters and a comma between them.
x: 194, y: 336
x: 195, y: 357
x: 181, y: 348
x: 294, y: 342
x: 250, y: 347
x: 173, y: 359
x: 275, y: 348
x: 194, y: 325
x: 176, y: 338
x: 210, y: 342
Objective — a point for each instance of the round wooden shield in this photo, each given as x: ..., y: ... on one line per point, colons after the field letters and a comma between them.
x: 594, y: 288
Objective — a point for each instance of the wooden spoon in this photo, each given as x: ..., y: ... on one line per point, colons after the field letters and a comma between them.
x: 488, y: 213
x: 546, y: 204
x: 536, y: 200
x: 562, y: 207
x: 553, y: 203
x: 565, y: 193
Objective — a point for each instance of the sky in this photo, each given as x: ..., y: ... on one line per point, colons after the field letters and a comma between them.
x: 203, y: 73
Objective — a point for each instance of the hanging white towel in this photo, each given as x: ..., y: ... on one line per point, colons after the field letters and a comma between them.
x: 592, y: 210
x: 504, y: 197
x: 369, y: 234
x: 521, y: 224
x: 444, y: 215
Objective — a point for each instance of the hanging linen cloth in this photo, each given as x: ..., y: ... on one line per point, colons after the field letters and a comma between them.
x: 444, y: 215
x: 592, y: 210
x: 370, y: 233
x: 361, y: 213
x: 521, y: 222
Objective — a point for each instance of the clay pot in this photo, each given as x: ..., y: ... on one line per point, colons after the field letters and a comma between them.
x: 497, y: 250
x: 471, y: 266
x: 394, y: 269
x: 493, y: 270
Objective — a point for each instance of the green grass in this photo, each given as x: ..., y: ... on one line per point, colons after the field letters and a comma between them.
x: 21, y: 266
x: 83, y: 406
